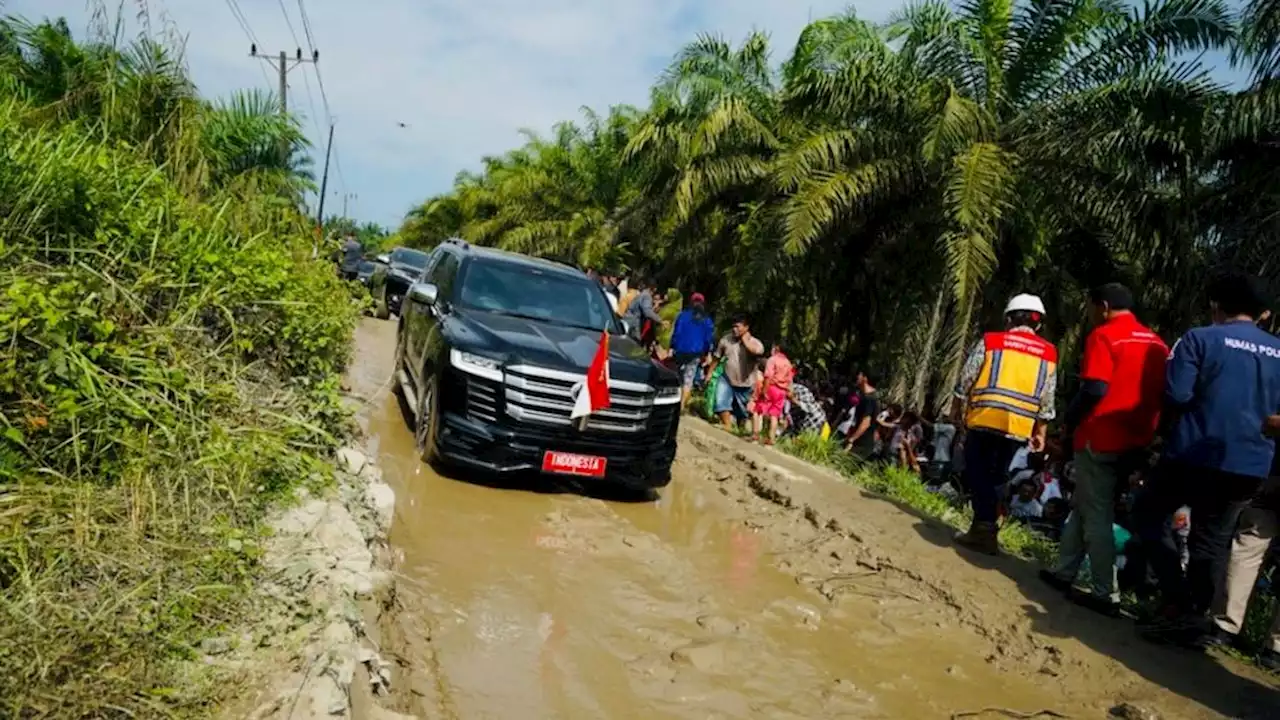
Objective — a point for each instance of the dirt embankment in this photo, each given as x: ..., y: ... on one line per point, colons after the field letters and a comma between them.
x: 314, y: 650
x: 854, y: 543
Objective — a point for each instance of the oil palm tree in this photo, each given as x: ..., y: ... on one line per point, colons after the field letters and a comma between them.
x: 140, y: 94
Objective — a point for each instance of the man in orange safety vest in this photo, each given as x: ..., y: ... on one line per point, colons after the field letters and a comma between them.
x: 1004, y: 401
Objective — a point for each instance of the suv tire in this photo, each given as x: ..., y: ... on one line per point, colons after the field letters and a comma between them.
x: 396, y: 387
x: 424, y: 432
x: 381, y: 310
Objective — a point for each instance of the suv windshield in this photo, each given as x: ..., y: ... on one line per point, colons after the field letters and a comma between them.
x: 413, y: 258
x: 529, y: 292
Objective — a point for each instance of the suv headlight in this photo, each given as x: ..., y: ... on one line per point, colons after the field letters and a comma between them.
x: 485, y: 367
x: 669, y: 395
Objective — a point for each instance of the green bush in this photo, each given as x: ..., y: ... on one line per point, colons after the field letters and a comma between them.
x: 170, y: 368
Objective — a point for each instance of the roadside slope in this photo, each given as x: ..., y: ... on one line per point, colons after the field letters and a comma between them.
x: 1093, y: 662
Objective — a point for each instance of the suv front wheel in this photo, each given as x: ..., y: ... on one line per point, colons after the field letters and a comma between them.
x: 428, y: 421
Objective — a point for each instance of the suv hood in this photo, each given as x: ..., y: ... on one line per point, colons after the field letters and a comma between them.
x: 404, y: 270
x: 533, y: 342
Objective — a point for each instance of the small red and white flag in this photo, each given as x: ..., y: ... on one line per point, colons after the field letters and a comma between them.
x: 594, y: 394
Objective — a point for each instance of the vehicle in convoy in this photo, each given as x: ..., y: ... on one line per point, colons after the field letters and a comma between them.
x: 492, y: 350
x: 364, y: 271
x: 391, y: 279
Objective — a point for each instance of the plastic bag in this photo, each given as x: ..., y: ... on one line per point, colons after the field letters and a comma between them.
x: 709, y: 395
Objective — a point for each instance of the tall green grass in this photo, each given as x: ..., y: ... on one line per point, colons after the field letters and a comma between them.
x: 169, y: 369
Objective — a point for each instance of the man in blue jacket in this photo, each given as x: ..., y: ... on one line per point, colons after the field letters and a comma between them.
x: 692, y: 337
x: 1222, y: 386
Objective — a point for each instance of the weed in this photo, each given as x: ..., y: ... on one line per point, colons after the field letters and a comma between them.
x: 169, y: 371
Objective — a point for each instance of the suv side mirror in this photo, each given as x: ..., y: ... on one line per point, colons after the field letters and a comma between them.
x: 629, y: 327
x: 385, y: 259
x: 424, y: 292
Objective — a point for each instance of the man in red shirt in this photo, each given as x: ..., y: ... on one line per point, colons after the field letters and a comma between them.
x: 1112, y: 418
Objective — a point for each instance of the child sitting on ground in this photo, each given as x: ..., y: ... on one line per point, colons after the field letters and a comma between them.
x: 1026, y: 504
x: 1052, y: 518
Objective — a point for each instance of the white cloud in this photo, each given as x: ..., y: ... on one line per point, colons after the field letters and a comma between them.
x: 464, y: 75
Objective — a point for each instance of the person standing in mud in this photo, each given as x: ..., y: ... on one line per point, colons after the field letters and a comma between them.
x: 1110, y: 422
x: 1004, y: 401
x: 861, y: 439
x: 738, y: 350
x: 352, y: 253
x: 692, y: 338
x: 1222, y: 387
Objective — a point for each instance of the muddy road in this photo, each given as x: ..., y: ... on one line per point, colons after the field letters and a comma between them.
x: 754, y: 586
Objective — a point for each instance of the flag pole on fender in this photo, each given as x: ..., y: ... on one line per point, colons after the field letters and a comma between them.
x: 594, y: 394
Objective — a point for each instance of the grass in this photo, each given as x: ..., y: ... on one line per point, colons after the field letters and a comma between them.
x: 169, y: 373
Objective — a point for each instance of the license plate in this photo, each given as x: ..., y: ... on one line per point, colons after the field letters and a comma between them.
x: 563, y: 463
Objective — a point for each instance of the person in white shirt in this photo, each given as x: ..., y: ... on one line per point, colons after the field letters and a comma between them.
x: 944, y: 436
x: 1021, y: 459
x: 1026, y: 506
x: 1047, y: 485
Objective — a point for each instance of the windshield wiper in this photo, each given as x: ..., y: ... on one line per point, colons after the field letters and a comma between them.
x: 539, y: 318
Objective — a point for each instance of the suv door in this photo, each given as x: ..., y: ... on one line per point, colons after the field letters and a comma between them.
x: 409, y: 311
x: 421, y: 321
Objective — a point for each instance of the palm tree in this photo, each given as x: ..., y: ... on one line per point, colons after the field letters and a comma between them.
x: 141, y: 94
x: 887, y: 187
x: 1005, y: 128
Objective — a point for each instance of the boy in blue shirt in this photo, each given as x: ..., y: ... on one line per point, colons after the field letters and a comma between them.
x: 1222, y: 386
x: 692, y: 338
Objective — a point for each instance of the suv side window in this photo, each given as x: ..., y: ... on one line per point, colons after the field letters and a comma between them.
x: 444, y: 272
x: 431, y: 265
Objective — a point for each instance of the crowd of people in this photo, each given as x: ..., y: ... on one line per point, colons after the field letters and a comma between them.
x: 1160, y: 479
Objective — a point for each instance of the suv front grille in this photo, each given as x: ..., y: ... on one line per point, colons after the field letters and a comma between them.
x: 482, y: 398
x: 543, y: 396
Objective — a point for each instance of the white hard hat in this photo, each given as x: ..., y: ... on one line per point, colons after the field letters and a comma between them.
x: 1024, y: 302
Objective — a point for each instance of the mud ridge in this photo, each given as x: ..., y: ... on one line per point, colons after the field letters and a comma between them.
x: 1015, y: 648
x: 328, y: 579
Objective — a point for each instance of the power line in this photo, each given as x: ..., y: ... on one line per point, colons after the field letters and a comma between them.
x: 243, y: 21
x: 289, y: 22
x: 311, y: 39
x: 324, y: 95
x: 306, y: 23
x: 311, y: 49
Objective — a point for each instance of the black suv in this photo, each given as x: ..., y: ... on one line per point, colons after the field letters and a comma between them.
x: 491, y: 353
x: 391, y: 279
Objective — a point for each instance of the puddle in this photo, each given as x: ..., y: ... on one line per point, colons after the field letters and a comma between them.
x: 528, y: 604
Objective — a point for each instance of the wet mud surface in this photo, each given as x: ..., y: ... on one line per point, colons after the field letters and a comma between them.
x: 754, y: 586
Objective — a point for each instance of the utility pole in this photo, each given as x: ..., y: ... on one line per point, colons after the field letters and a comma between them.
x: 324, y: 183
x: 345, y: 198
x: 283, y: 65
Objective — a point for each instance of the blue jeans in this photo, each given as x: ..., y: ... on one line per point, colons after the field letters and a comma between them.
x: 732, y: 399
x: 986, y: 467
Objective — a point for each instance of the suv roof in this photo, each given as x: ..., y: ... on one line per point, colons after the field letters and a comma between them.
x: 514, y: 258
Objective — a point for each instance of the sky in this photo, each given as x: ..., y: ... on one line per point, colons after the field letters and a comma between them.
x: 462, y: 76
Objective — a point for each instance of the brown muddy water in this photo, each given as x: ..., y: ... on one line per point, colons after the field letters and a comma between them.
x: 528, y: 602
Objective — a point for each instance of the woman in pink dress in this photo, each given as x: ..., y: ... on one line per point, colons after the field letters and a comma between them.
x: 772, y: 399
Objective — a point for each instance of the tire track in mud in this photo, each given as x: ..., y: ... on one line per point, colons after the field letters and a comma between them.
x: 840, y: 559
x: 757, y: 586
x: 831, y: 534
